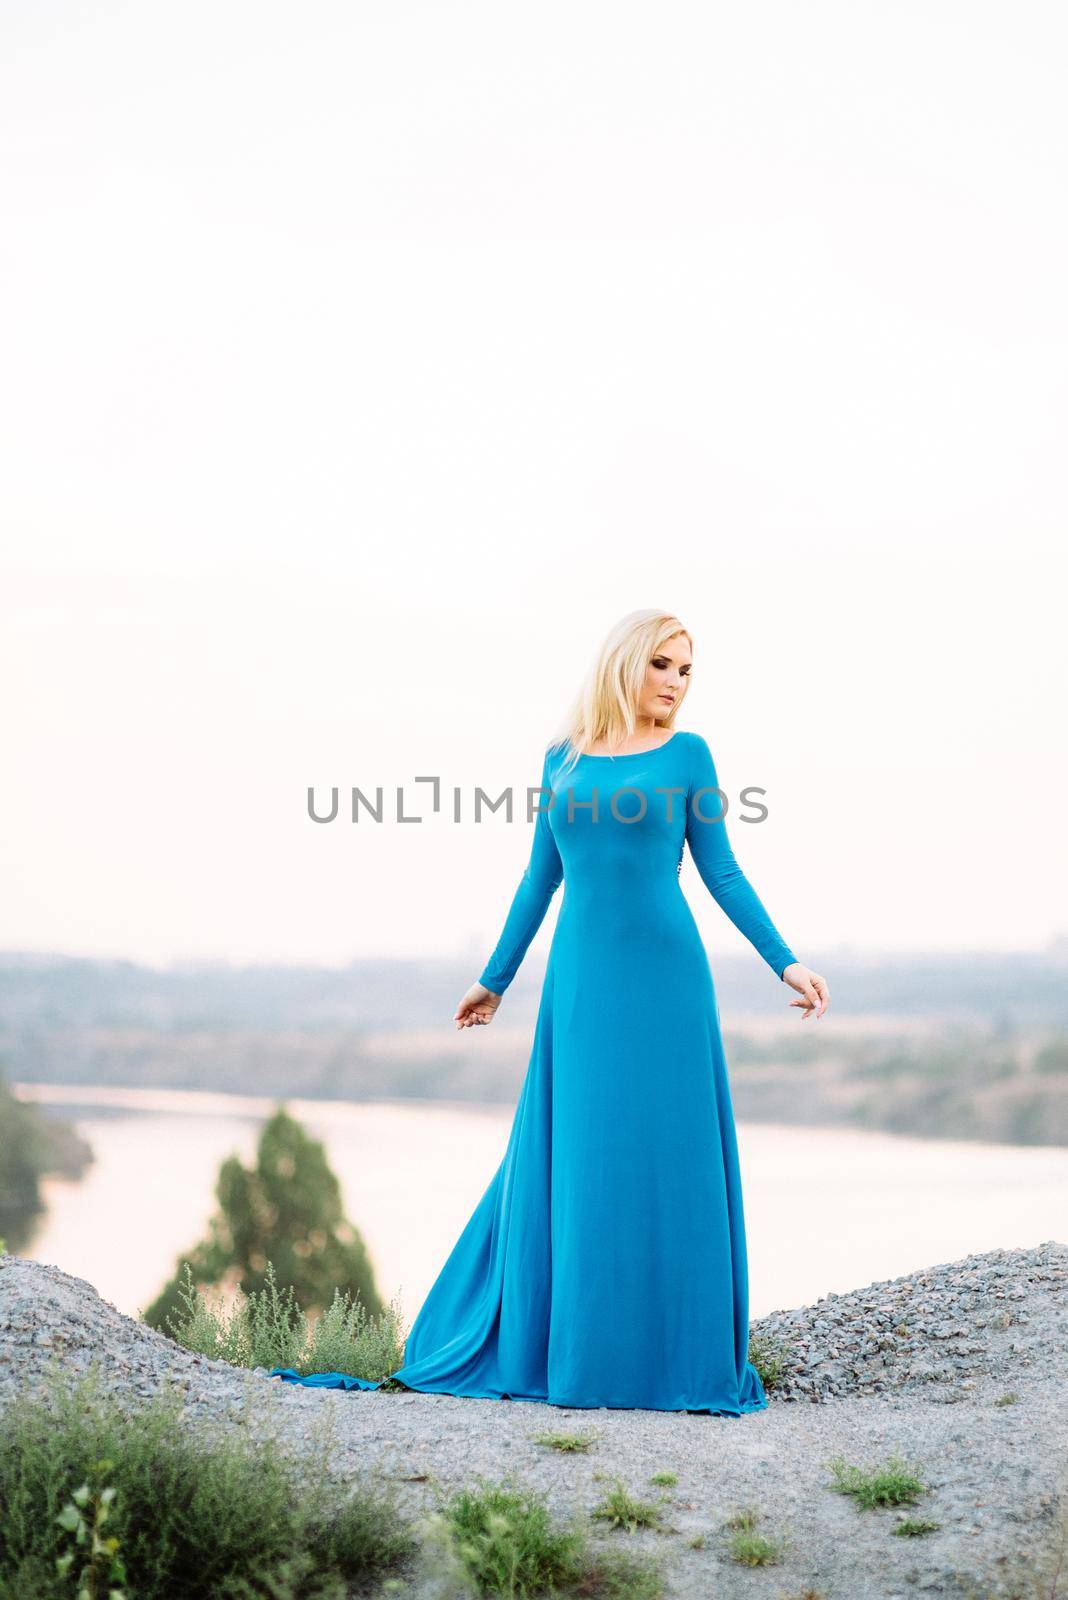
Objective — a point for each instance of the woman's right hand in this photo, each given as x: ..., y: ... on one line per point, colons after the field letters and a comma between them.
x: 477, y: 1006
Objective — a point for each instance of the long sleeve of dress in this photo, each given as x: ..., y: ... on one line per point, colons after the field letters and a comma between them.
x: 720, y: 872
x: 545, y: 872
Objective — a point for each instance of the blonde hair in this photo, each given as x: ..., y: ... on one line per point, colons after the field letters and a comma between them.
x: 606, y: 705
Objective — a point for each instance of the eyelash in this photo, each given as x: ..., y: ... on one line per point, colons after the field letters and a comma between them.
x: 684, y: 672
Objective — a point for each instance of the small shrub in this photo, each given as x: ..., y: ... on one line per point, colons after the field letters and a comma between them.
x: 102, y: 1569
x: 769, y: 1356
x: 268, y: 1329
x: 205, y: 1511
x: 346, y: 1339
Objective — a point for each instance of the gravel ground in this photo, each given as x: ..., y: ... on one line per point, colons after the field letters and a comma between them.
x: 913, y: 1366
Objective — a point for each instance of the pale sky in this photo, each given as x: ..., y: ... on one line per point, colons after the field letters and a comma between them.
x: 360, y: 366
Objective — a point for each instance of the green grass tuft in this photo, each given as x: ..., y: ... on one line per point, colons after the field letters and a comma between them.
x: 621, y: 1509
x: 748, y: 1547
x: 664, y: 1480
x: 566, y: 1443
x: 501, y: 1540
x: 912, y: 1527
x: 893, y: 1484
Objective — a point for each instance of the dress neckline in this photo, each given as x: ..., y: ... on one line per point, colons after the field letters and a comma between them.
x: 585, y: 755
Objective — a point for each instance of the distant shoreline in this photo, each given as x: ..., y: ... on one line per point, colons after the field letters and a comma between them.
x: 76, y: 1098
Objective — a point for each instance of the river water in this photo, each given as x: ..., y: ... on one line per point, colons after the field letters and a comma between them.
x: 826, y: 1209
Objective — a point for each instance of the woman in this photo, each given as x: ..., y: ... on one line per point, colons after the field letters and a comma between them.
x: 605, y: 1264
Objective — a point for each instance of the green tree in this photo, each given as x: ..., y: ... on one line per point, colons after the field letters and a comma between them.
x: 23, y: 1160
x: 286, y: 1209
x: 1053, y: 1057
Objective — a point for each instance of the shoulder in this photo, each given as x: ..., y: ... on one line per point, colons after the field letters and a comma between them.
x: 555, y: 757
x: 698, y: 755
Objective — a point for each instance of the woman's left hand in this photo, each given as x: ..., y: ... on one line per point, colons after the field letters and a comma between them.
x: 478, y: 1007
x: 815, y: 995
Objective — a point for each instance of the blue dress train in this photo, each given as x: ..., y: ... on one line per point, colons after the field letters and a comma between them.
x: 605, y: 1264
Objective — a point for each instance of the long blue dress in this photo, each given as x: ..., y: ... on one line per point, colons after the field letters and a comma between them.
x: 605, y: 1264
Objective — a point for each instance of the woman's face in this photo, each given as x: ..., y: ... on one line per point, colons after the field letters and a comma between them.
x: 666, y: 678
